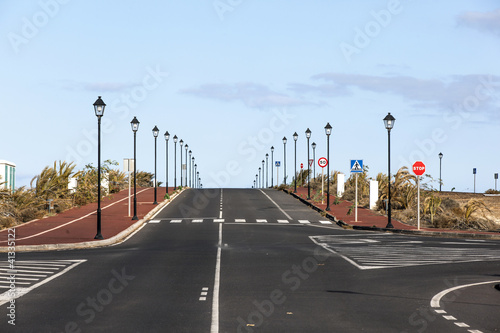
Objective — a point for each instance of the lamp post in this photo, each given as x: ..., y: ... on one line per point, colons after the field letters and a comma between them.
x: 192, y: 172
x: 284, y: 160
x: 272, y: 165
x: 389, y: 124
x: 295, y: 137
x: 257, y: 180
x: 155, y: 134
x: 260, y: 179
x: 135, y: 126
x: 181, y: 143
x: 175, y: 162
x: 328, y: 131
x: 99, y: 107
x: 190, y: 164
x: 199, y: 179
x: 254, y: 183
x: 440, y: 179
x: 167, y: 137
x: 267, y: 170
x: 263, y: 173
x: 186, y: 172
x: 308, y: 136
x: 195, y: 172
x: 314, y: 159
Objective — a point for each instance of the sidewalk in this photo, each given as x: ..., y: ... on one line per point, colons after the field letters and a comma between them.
x: 79, y: 225
x: 371, y: 220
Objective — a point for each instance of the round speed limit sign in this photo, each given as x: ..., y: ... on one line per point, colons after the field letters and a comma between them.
x: 322, y: 162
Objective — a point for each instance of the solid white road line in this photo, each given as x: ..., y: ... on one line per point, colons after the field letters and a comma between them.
x: 215, y: 301
x: 437, y: 298
x: 287, y: 216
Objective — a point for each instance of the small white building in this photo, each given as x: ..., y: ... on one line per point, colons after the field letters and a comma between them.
x: 7, y: 175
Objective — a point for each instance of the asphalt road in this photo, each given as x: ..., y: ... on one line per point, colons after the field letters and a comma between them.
x: 236, y: 260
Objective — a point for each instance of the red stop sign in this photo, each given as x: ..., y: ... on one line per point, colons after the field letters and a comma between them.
x: 418, y: 168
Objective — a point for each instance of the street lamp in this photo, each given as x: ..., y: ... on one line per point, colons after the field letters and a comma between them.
x: 257, y: 180
x: 263, y: 172
x: 186, y: 172
x: 155, y: 134
x: 181, y: 143
x: 389, y: 124
x: 167, y: 137
x: 260, y: 178
x: 175, y: 162
x: 254, y: 183
x: 99, y: 106
x: 190, y: 164
x: 295, y: 137
x: 192, y: 172
x: 199, y: 179
x: 195, y: 173
x: 135, y: 126
x: 440, y: 179
x: 267, y: 170
x: 272, y: 165
x: 308, y: 136
x: 284, y: 160
x: 314, y: 159
x: 328, y: 131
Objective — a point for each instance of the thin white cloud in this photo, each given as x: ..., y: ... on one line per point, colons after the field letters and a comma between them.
x: 251, y: 94
x: 420, y: 93
x: 483, y: 21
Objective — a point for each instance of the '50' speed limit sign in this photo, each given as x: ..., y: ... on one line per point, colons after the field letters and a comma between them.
x: 322, y: 162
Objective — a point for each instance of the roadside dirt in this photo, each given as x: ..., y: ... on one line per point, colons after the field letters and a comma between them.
x: 492, y: 202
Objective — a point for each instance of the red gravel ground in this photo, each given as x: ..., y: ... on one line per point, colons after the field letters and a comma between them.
x: 367, y: 217
x: 80, y: 224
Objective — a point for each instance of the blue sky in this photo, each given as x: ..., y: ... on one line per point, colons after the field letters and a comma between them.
x: 232, y: 77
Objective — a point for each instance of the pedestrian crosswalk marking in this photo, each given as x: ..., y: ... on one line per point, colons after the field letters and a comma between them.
x: 198, y: 221
x: 261, y: 221
x: 387, y: 252
x: 155, y: 221
x: 240, y: 220
x: 304, y: 221
x: 34, y: 274
x: 218, y: 220
x: 283, y: 221
x: 176, y: 221
x: 325, y: 222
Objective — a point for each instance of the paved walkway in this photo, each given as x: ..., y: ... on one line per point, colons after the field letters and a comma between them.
x: 79, y: 224
x: 371, y: 219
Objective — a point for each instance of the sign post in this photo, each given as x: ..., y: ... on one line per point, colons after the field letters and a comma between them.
x: 128, y: 167
x: 418, y: 170
x: 322, y: 162
x: 356, y: 167
x: 277, y: 164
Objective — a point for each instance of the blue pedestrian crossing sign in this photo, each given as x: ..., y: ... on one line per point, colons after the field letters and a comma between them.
x: 278, y: 163
x: 356, y: 165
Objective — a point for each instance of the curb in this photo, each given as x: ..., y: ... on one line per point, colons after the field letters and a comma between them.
x: 444, y: 234
x: 97, y: 243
